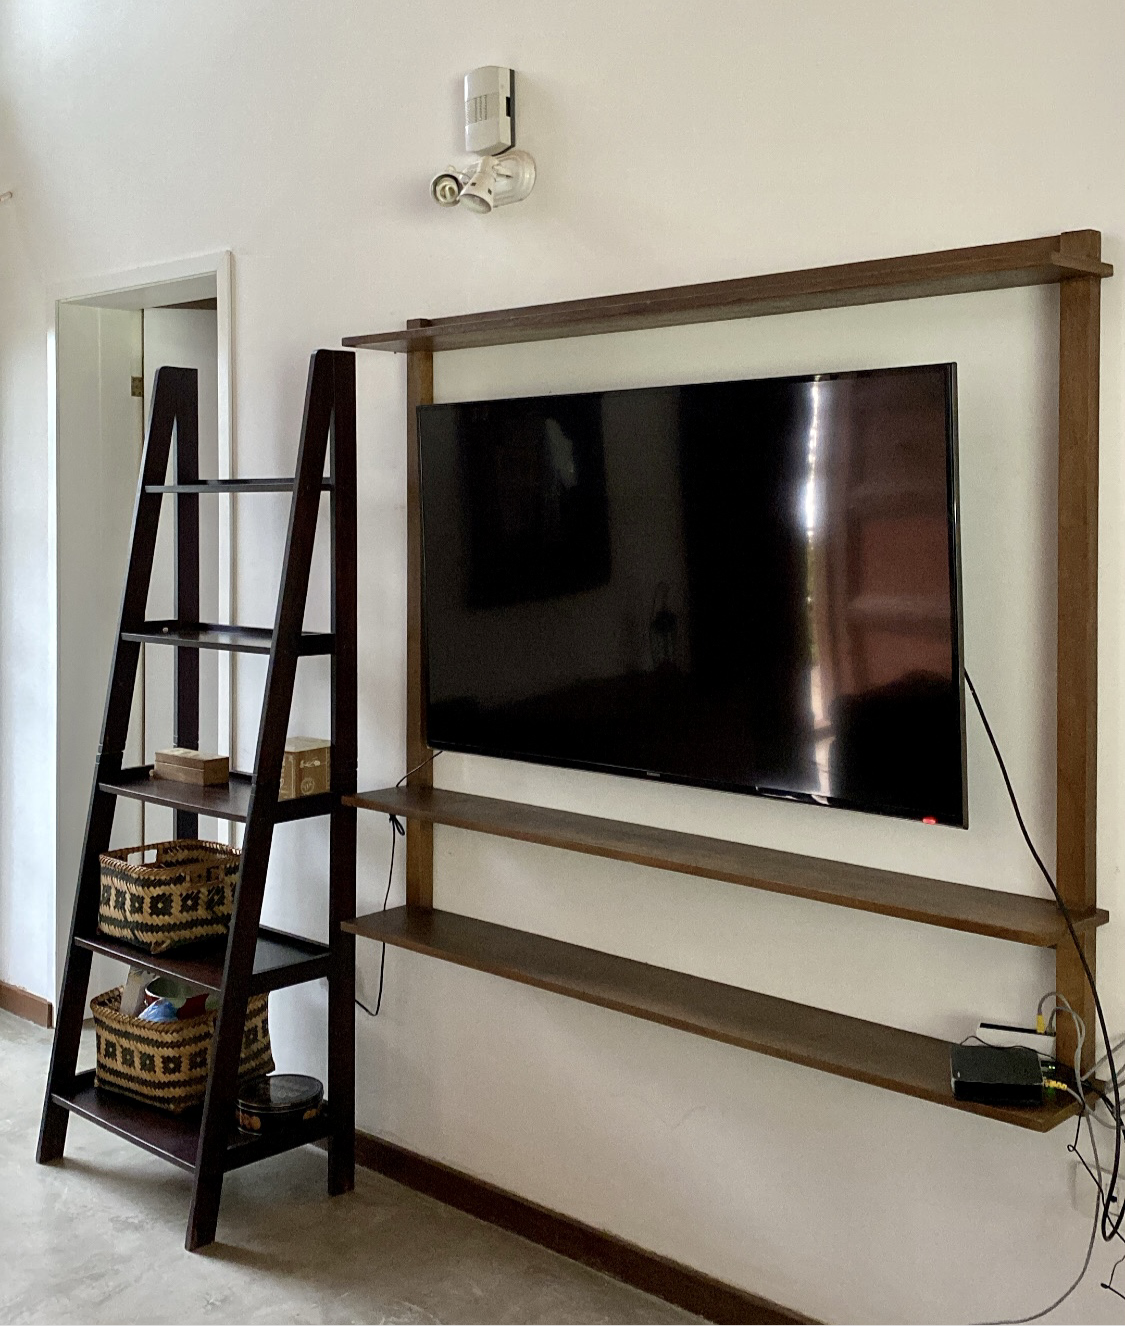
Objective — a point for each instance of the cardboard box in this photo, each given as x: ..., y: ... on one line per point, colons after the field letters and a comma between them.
x: 306, y: 767
x: 182, y: 765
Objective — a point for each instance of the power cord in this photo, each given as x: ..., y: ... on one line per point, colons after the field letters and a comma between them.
x: 1107, y: 1231
x: 1109, y: 1228
x: 398, y: 830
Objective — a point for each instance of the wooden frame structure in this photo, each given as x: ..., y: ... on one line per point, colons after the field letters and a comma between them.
x: 252, y: 959
x: 899, y: 1061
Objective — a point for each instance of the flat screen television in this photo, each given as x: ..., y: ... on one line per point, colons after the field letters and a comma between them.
x: 747, y: 585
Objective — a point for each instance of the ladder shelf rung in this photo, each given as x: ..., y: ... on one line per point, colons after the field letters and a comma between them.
x: 280, y: 960
x: 229, y: 801
x: 175, y: 1137
x: 233, y: 486
x: 236, y: 639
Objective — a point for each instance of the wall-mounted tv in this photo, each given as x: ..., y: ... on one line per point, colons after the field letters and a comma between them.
x: 748, y: 585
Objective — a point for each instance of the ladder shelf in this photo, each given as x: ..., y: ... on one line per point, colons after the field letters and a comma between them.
x: 252, y: 959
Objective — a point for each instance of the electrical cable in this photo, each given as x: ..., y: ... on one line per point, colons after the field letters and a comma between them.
x: 1109, y: 1229
x: 397, y: 831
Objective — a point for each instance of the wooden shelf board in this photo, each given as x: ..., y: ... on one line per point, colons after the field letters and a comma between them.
x: 235, y: 487
x: 280, y: 960
x: 1000, y: 915
x: 175, y: 1137
x: 901, y: 1061
x: 234, y: 639
x: 230, y: 801
x: 914, y: 276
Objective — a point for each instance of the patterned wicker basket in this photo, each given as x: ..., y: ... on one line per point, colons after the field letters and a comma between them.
x: 185, y: 894
x: 166, y: 1063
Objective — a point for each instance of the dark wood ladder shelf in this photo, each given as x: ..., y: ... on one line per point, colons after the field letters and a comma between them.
x: 249, y: 960
x: 868, y: 1052
x: 937, y: 902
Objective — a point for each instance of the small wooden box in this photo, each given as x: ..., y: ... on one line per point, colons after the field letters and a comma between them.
x: 306, y: 767
x: 191, y: 766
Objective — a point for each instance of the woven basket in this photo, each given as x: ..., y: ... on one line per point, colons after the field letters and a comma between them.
x: 166, y: 1063
x: 185, y: 894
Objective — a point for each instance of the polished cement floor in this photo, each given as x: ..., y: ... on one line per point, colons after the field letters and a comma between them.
x: 98, y: 1237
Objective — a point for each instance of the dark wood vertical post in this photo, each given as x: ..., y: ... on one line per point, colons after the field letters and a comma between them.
x: 342, y: 867
x: 187, y: 585
x: 1079, y: 360
x: 419, y: 836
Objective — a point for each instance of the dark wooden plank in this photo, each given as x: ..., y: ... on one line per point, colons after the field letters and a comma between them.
x: 692, y: 1290
x: 175, y: 1137
x: 419, y: 834
x: 280, y: 960
x: 881, y: 1056
x: 1077, y: 659
x: 235, y: 639
x: 229, y: 802
x: 938, y: 902
x: 235, y: 487
x: 1046, y: 260
x: 172, y: 1137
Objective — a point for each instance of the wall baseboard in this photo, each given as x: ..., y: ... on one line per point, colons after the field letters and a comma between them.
x: 675, y: 1283
x: 24, y: 1004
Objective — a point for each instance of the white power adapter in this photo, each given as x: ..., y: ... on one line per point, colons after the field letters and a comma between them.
x: 1000, y: 1034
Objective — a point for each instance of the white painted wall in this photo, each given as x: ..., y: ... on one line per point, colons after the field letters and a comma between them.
x: 302, y: 137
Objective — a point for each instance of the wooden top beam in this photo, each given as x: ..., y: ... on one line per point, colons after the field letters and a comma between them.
x: 1044, y: 261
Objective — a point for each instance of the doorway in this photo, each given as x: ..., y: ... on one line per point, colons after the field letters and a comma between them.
x: 109, y: 339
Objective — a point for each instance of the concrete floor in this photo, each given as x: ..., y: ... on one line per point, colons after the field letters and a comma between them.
x: 99, y: 1238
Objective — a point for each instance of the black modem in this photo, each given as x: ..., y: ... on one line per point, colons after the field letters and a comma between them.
x: 996, y: 1075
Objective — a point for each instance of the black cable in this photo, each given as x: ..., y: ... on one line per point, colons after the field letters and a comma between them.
x: 397, y: 830
x: 420, y: 765
x: 1107, y: 1231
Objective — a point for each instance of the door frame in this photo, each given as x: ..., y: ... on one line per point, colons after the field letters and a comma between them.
x: 203, y: 276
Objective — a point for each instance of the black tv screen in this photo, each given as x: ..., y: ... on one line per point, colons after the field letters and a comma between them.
x: 743, y: 585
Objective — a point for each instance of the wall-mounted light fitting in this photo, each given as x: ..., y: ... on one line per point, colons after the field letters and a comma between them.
x: 503, y: 174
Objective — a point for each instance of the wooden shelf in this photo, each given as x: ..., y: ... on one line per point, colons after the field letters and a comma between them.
x: 280, y: 960
x: 901, y: 1061
x: 230, y: 801
x: 915, y: 276
x: 234, y: 639
x: 175, y: 1137
x: 235, y: 487
x: 1012, y: 916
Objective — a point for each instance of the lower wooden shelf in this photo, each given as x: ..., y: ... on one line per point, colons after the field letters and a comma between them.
x: 901, y: 1061
x: 175, y: 1137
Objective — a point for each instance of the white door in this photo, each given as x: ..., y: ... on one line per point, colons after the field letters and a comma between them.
x: 101, y: 433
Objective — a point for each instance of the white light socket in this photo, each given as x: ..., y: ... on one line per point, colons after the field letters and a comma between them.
x: 490, y: 124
